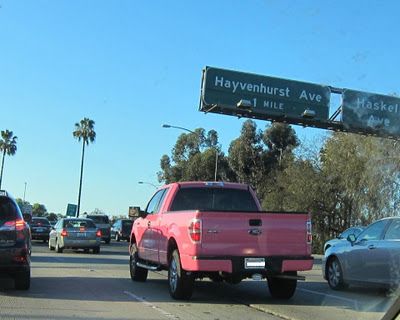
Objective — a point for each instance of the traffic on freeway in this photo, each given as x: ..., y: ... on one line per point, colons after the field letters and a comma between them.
x: 79, y: 285
x: 199, y: 159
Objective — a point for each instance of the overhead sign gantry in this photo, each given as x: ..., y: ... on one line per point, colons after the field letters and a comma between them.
x: 302, y: 103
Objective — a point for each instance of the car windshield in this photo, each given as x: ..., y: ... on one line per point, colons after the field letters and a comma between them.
x: 356, y: 231
x: 286, y: 112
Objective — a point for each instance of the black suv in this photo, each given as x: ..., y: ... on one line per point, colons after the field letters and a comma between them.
x: 14, y: 243
x: 40, y: 228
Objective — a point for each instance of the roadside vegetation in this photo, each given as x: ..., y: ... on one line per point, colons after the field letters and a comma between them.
x: 348, y: 180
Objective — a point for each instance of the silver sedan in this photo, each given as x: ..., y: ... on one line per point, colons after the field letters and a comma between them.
x: 75, y: 233
x: 372, y: 258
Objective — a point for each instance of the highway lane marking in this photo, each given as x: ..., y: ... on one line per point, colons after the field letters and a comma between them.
x: 150, y: 305
x: 355, y: 302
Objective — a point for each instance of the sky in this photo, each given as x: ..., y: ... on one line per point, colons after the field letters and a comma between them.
x: 132, y: 66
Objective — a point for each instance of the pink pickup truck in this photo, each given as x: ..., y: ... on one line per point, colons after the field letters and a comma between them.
x: 218, y: 230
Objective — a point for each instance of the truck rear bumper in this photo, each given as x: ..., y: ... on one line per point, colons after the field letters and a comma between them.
x: 233, y: 264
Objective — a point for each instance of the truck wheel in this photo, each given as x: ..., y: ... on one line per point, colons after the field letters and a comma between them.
x: 22, y: 280
x: 180, y: 282
x: 137, y: 273
x: 281, y: 288
x: 334, y: 274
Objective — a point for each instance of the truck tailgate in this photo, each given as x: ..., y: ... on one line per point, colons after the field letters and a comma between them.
x: 254, y: 234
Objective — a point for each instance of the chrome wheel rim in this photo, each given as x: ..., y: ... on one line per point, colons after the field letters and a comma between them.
x: 334, y: 274
x: 173, y: 275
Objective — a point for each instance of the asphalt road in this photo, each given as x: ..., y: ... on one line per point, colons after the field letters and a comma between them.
x: 78, y: 285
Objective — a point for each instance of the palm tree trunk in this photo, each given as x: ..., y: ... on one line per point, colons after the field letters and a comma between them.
x: 80, y: 182
x: 2, y: 166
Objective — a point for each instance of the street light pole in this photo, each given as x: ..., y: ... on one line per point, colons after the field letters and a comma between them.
x: 201, y: 137
x: 24, y: 191
x: 149, y: 183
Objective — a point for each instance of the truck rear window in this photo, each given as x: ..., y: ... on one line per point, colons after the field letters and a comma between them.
x: 214, y: 199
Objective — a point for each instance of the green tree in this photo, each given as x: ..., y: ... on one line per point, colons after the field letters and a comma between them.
x: 194, y: 158
x: 52, y: 216
x: 8, y: 146
x: 39, y: 210
x: 22, y: 204
x: 84, y: 131
x: 246, y: 155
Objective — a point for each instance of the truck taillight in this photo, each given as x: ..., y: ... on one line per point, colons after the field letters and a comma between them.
x: 309, y: 233
x: 98, y: 233
x: 195, y: 230
x: 64, y: 233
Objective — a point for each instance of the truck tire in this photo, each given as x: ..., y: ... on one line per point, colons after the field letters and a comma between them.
x: 180, y: 282
x: 334, y: 274
x: 138, y: 274
x: 281, y: 288
x: 22, y: 280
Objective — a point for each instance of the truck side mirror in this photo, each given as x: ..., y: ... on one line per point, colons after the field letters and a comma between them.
x: 142, y: 214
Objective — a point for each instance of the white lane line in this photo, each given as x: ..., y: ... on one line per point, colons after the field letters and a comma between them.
x: 354, y: 302
x: 152, y: 306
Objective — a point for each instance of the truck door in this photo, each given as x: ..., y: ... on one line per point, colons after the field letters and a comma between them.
x: 149, y: 238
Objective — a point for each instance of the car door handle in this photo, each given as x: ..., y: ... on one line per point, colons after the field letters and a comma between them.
x: 148, y: 224
x: 371, y: 246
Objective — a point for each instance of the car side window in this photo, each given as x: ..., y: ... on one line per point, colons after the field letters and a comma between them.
x: 393, y: 232
x: 374, y: 231
x: 154, y: 203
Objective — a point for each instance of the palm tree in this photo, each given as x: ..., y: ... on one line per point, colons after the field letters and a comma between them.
x: 84, y: 130
x: 8, y: 144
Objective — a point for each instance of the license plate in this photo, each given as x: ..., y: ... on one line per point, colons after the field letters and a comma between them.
x: 254, y: 263
x: 81, y: 234
x: 39, y: 229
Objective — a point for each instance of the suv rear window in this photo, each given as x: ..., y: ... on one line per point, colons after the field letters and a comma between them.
x: 99, y: 219
x: 214, y: 199
x: 8, y: 210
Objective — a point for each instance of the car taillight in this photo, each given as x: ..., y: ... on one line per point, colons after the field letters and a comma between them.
x: 309, y: 234
x: 98, y: 233
x: 195, y: 230
x: 18, y: 225
x: 64, y: 233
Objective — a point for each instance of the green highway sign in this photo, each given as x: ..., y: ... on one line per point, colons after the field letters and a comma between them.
x: 262, y: 97
x: 71, y: 210
x: 371, y: 113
